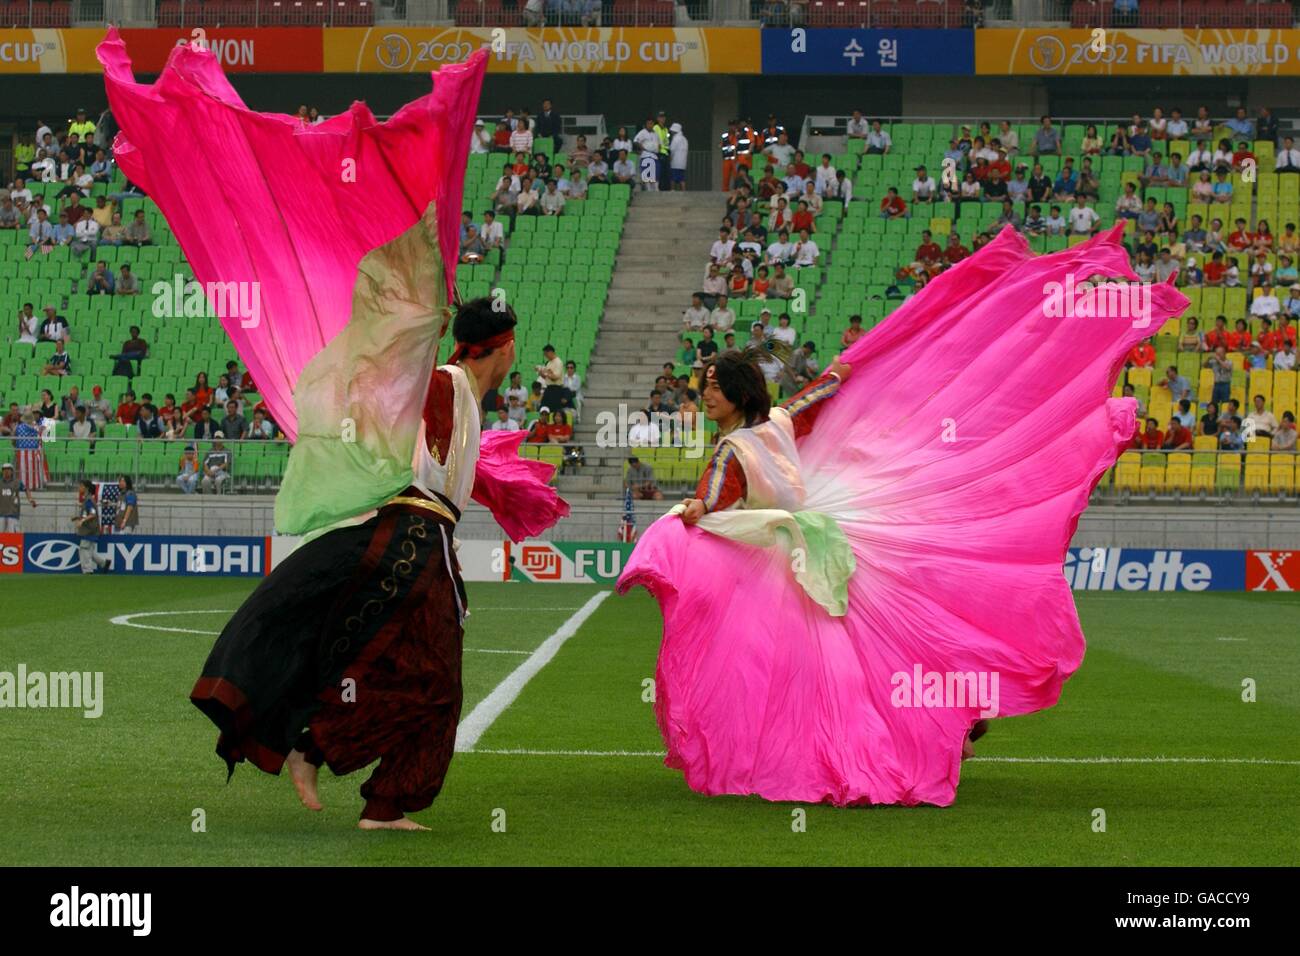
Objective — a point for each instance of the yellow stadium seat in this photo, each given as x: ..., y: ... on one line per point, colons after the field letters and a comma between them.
x: 1281, y: 473
x: 1205, y: 386
x: 1204, y: 443
x: 1202, y: 478
x: 1139, y: 376
x: 1178, y: 473
x: 1128, y: 477
x: 1256, y: 477
x: 1153, y: 478
x: 941, y: 224
x: 1171, y: 327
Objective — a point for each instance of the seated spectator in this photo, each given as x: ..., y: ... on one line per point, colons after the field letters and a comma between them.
x: 893, y: 206
x: 1239, y: 339
x: 781, y: 286
x: 1222, y: 188
x: 1047, y: 139
x: 640, y: 479
x: 1230, y: 434
x: 1150, y: 438
x: 85, y: 236
x: 234, y: 426
x: 114, y: 234
x: 806, y: 252
x: 147, y: 423
x: 1142, y: 355
x: 101, y: 281
x: 137, y: 233
x: 854, y: 332
x: 1083, y: 219
x: 1130, y: 203
x: 924, y: 188
x: 216, y: 466
x: 722, y: 319
x: 1056, y: 223
x: 187, y: 477
x: 1176, y: 385
x: 1192, y: 339
x: 1284, y: 437
x: 127, y: 284
x: 1035, y: 224
x: 1178, y: 437
x: 60, y: 363
x: 954, y: 252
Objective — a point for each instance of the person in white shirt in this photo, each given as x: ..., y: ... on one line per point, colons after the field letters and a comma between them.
x: 552, y: 201
x: 491, y: 232
x: 780, y: 152
x: 924, y: 188
x: 841, y: 188
x: 697, y: 316
x: 780, y: 249
x: 811, y: 199
x: 1202, y: 159
x: 679, y: 149
x: 714, y: 284
x: 878, y: 140
x: 825, y: 174
x: 481, y: 141
x: 1083, y: 219
x: 983, y: 151
x: 1177, y: 127
x: 504, y: 422
x: 647, y: 141
x: 1284, y: 358
x: 1009, y: 138
x: 722, y: 319
x: 1287, y: 159
x: 720, y: 251
x: 1265, y: 305
x: 783, y: 331
x: 857, y: 127
x: 794, y: 185
x: 573, y: 382
x: 805, y: 251
x: 1265, y: 422
x: 521, y: 140
x: 20, y: 192
x: 86, y: 236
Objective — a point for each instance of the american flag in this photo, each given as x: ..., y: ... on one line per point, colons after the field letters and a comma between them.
x: 107, y: 493
x: 627, y: 528
x: 32, y: 469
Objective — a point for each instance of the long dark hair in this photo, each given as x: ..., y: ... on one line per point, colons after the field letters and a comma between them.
x: 742, y: 383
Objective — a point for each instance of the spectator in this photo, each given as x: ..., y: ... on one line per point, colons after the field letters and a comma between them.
x: 854, y: 332
x: 1151, y: 438
x: 1284, y: 439
x: 678, y: 152
x: 893, y: 206
x: 147, y: 423
x: 188, y: 471
x: 101, y: 281
x: 86, y: 525
x: 137, y: 233
x: 640, y: 479
x: 60, y: 363
x: 954, y: 252
x: 135, y: 349
x: 1047, y: 139
x: 86, y: 236
x: 521, y: 138
x: 697, y: 316
x: 1230, y: 434
x: 924, y: 188
x: 1192, y: 339
x: 504, y: 423
x: 1083, y: 219
x: 1129, y: 205
x: 1177, y: 385
x: 204, y: 427
x: 234, y: 425
x: 1263, y: 422
x: 552, y: 201
x: 1142, y: 355
x: 1218, y: 364
x: 722, y: 319
x: 1178, y: 437
x: 878, y: 140
x: 572, y: 384
x: 806, y: 252
x: 114, y: 234
x: 781, y: 286
x: 81, y: 426
x: 128, y: 515
x: 41, y: 233
x: 11, y: 490
x: 216, y: 466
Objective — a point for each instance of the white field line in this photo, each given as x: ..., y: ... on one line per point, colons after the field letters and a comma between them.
x: 503, y: 695
x: 128, y: 620
x: 1043, y: 760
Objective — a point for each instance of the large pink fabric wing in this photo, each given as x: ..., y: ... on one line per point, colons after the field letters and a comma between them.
x: 516, y: 490
x: 261, y: 197
x: 957, y: 459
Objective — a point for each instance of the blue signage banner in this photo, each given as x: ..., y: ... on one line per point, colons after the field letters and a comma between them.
x: 899, y: 52
x: 149, y: 554
x: 1143, y: 569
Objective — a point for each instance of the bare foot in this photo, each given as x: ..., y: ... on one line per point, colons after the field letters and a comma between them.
x: 303, y: 775
x: 401, y: 823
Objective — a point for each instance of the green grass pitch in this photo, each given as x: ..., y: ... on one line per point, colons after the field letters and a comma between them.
x: 565, y: 764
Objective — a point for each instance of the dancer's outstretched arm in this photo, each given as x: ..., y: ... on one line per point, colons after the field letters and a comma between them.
x: 805, y: 405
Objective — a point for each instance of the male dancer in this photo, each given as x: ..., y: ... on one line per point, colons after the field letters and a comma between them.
x: 350, y: 650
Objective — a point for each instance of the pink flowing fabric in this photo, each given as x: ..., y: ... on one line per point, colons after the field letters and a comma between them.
x: 957, y: 459
x: 261, y: 197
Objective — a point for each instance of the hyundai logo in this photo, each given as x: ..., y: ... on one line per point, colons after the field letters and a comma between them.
x: 53, y: 555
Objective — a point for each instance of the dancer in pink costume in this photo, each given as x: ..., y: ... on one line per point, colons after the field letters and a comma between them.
x: 940, y: 486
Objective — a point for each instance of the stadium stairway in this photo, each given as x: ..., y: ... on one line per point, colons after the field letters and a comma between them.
x: 660, y: 263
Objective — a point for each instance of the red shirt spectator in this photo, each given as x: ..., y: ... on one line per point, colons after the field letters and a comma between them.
x: 1150, y: 437
x: 1177, y: 437
x: 955, y: 253
x: 1216, y: 337
x: 1271, y: 340
x: 894, y: 205
x: 803, y: 219
x: 1239, y: 239
x: 1239, y: 158
x: 1143, y: 355
x: 1214, y: 274
x: 127, y: 412
x: 1238, y: 341
x: 928, y: 252
x: 1287, y: 332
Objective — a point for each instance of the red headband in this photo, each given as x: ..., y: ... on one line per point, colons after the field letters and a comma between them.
x: 479, y: 349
